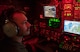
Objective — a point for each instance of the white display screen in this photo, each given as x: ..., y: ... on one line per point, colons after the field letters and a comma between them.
x: 49, y: 11
x: 72, y: 26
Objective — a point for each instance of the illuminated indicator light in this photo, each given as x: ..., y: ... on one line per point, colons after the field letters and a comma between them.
x: 67, y: 6
x: 78, y: 0
x: 78, y: 40
x: 50, y: 25
x: 74, y: 37
x: 68, y: 14
x: 61, y: 45
x: 41, y: 16
x: 64, y: 14
x: 77, y: 8
x: 66, y: 38
x: 55, y: 20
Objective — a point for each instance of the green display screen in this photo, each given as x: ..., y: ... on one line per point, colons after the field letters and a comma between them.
x: 54, y: 22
